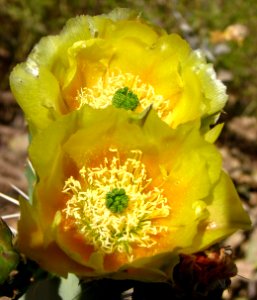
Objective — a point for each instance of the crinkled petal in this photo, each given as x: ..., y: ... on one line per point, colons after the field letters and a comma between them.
x: 226, y: 215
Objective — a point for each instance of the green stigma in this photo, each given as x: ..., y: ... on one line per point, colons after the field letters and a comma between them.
x: 125, y: 98
x: 117, y: 200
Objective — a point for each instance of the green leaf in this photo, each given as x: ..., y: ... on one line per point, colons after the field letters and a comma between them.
x: 8, y: 256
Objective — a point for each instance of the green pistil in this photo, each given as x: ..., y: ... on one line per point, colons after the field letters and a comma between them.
x: 117, y: 200
x: 125, y: 98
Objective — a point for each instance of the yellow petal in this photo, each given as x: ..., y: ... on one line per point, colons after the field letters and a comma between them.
x: 226, y: 214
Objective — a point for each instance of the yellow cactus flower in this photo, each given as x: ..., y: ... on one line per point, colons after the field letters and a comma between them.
x: 116, y: 59
x: 122, y: 196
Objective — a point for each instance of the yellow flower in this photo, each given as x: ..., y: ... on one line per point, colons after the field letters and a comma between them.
x: 111, y: 59
x: 120, y: 195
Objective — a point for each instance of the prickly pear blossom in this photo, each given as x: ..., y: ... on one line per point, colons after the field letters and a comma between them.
x: 114, y: 59
x: 122, y: 196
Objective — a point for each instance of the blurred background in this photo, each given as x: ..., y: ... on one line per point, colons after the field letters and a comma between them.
x: 226, y: 31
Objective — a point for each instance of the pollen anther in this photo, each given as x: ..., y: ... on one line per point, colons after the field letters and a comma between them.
x: 142, y: 204
x: 101, y: 94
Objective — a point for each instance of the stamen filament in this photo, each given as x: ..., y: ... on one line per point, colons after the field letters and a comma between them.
x: 104, y: 228
x: 101, y: 94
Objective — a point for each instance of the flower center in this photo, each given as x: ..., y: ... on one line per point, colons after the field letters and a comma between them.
x: 114, y: 205
x: 123, y: 90
x: 124, y: 98
x: 117, y: 200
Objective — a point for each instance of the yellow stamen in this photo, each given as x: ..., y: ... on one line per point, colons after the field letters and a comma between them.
x: 108, y: 231
x: 101, y: 94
